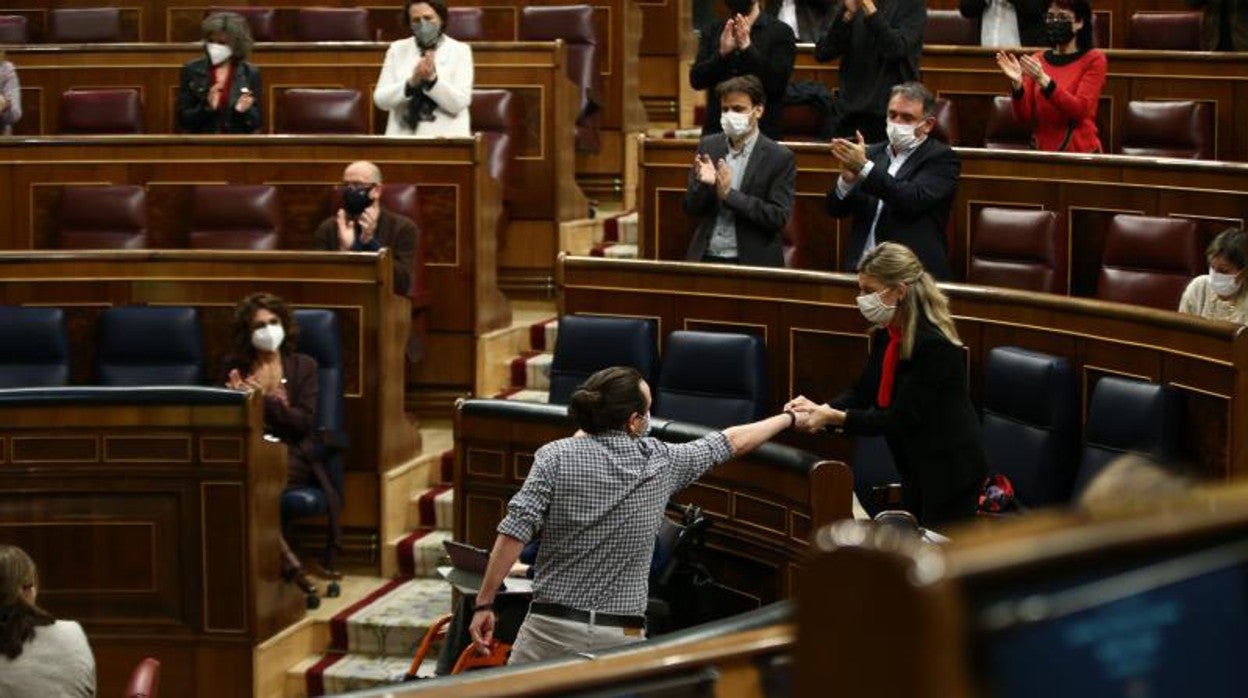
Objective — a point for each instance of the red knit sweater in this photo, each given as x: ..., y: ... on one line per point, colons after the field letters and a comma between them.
x: 1073, y: 99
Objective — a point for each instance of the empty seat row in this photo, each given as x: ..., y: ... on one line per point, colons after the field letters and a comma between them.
x: 1030, y: 428
x: 1181, y: 30
x: 99, y: 111
x: 139, y: 346
x: 1146, y: 260
x: 710, y: 378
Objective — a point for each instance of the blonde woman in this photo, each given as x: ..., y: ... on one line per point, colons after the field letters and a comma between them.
x: 913, y: 390
x: 1220, y: 294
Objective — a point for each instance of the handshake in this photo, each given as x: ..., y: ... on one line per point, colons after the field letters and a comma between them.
x: 812, y: 418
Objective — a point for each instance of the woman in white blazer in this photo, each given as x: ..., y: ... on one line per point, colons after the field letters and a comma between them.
x: 426, y: 81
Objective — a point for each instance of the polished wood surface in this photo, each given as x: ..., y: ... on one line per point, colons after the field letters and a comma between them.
x: 763, y: 513
x: 940, y: 595
x: 156, y: 527
x: 459, y: 207
x: 1085, y: 190
x: 544, y: 170
x: 618, y: 24
x: 817, y: 342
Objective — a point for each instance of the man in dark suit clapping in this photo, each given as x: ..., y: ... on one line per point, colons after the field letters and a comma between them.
x: 741, y: 184
x: 899, y: 191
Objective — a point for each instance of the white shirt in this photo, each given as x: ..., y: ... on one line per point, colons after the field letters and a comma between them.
x: 723, y: 242
x: 999, y: 24
x: 788, y: 14
x: 895, y: 161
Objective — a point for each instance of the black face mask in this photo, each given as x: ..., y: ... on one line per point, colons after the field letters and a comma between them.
x: 740, y: 7
x: 1059, y: 32
x: 356, y: 199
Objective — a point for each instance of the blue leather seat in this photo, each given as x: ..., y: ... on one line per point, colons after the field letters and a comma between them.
x: 320, y: 338
x: 34, y: 348
x: 141, y: 345
x: 716, y: 379
x: 877, y: 483
x: 586, y: 344
x: 1031, y: 423
x: 1128, y: 415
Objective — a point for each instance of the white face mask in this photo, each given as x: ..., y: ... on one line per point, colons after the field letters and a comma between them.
x: 735, y: 124
x: 218, y: 53
x: 1225, y: 285
x: 901, y: 136
x: 269, y: 337
x: 874, y: 310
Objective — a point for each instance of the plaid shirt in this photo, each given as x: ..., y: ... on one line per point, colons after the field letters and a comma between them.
x: 597, y: 501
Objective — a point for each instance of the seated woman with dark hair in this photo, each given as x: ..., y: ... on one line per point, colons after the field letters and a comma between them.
x: 1219, y: 295
x: 1058, y: 91
x: 263, y: 335
x: 39, y: 655
x: 220, y: 92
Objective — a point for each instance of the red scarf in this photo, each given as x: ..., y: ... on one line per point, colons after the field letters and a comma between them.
x: 223, y: 107
x: 885, y: 395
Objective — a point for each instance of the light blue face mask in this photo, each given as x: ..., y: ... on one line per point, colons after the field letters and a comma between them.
x: 426, y: 33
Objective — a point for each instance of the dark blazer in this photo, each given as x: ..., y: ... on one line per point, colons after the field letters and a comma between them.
x: 773, y: 48
x: 294, y: 422
x: 930, y: 424
x: 194, y: 116
x: 916, y: 204
x: 1030, y: 18
x: 876, y: 53
x: 395, y: 231
x: 761, y: 207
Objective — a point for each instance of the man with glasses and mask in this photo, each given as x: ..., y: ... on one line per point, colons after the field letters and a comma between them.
x: 741, y: 184
x: 426, y: 81
x: 901, y: 190
x: 748, y: 42
x: 362, y: 225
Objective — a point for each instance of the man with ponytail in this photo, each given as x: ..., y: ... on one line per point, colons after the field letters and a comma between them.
x: 913, y: 390
x: 597, y: 499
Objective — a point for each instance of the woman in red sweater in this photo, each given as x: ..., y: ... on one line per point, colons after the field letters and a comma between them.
x: 1057, y: 91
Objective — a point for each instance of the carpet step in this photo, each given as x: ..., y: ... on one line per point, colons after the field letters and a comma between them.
x: 524, y: 395
x: 530, y: 370
x: 333, y: 674
x: 614, y: 250
x: 433, y: 507
x: 542, y: 334
x: 446, y: 468
x: 420, y: 552
x: 392, y: 620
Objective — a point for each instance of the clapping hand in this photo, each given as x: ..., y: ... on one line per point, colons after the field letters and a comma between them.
x: 426, y: 71
x: 214, y: 96
x: 1008, y: 63
x: 723, y: 179
x: 704, y: 169
x: 852, y: 155
x: 741, y: 31
x: 245, y: 100
x: 851, y: 9
x: 727, y: 38
x: 1031, y: 66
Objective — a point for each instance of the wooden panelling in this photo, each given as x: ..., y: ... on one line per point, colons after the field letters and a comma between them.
x: 460, y: 206
x: 173, y: 557
x: 544, y: 169
x: 820, y: 344
x: 1085, y: 191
